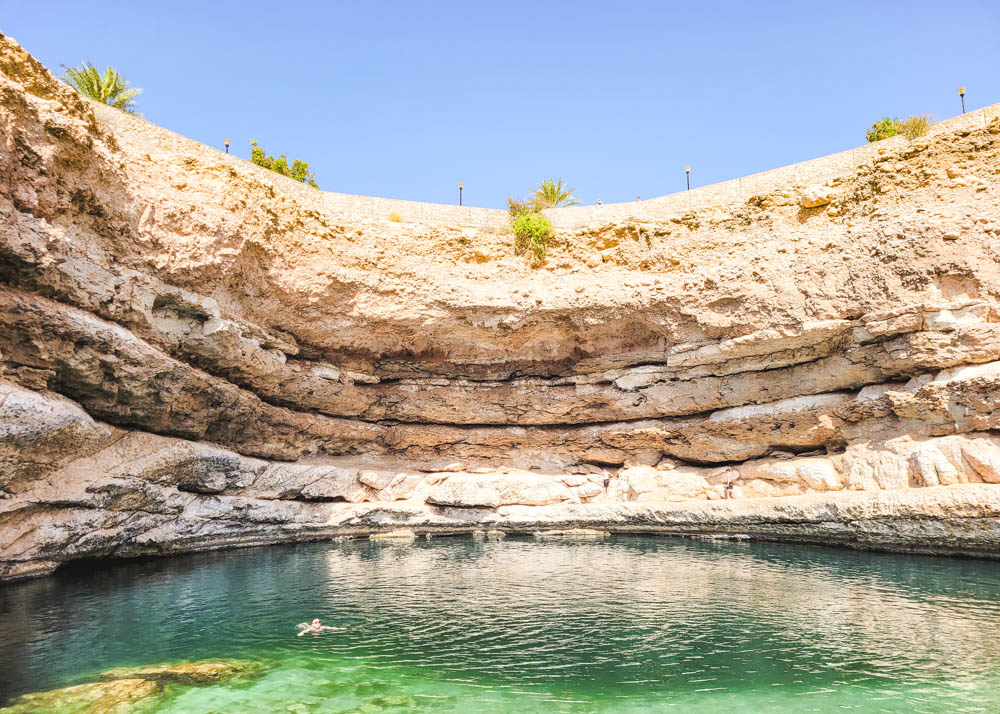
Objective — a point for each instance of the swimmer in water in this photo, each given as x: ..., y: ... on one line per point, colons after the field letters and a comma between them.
x: 315, y: 627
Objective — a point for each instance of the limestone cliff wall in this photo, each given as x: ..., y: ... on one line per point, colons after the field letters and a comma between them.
x: 195, y: 352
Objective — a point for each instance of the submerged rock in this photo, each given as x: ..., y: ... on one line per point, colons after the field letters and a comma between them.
x: 194, y: 673
x: 130, y: 690
x: 116, y: 697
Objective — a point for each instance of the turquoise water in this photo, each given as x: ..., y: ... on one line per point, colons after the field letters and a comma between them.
x: 630, y: 624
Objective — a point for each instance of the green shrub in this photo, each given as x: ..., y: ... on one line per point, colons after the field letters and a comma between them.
x: 517, y: 208
x: 883, y: 129
x: 911, y: 128
x: 532, y: 232
x: 915, y: 127
x: 299, y: 170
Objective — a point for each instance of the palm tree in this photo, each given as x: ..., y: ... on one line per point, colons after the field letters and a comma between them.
x: 551, y: 194
x: 108, y: 88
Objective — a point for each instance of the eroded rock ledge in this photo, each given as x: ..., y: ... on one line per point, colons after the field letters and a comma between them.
x: 197, y: 353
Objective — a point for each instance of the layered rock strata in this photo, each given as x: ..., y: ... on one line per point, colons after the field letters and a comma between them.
x: 195, y: 352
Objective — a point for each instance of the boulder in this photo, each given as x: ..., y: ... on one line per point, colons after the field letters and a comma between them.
x: 587, y: 490
x: 494, y: 490
x: 816, y: 473
x: 983, y: 455
x: 819, y: 474
x: 527, y: 489
x: 402, y: 486
x: 309, y: 482
x: 376, y: 479
x: 639, y: 479
x: 116, y: 697
x: 864, y: 468
x: 40, y: 433
x: 929, y: 467
x: 465, y: 491
x: 681, y: 485
x: 816, y: 195
x: 208, y: 671
x: 209, y: 470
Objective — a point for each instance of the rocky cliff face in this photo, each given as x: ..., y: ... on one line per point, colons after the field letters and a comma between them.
x: 195, y: 352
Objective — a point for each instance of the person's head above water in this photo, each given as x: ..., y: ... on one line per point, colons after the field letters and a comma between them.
x: 316, y: 621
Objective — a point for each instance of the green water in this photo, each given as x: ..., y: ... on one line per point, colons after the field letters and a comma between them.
x: 631, y: 624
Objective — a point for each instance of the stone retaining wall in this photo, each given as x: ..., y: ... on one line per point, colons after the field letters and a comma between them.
x: 349, y: 206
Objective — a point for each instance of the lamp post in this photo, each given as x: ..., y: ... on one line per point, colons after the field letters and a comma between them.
x: 459, y: 193
x: 687, y: 175
x: 961, y: 93
x: 226, y: 142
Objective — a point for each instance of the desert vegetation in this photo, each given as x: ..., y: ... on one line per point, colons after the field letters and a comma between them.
x: 911, y: 128
x: 532, y: 231
x: 915, y: 127
x: 108, y: 88
x: 551, y: 194
x: 298, y: 169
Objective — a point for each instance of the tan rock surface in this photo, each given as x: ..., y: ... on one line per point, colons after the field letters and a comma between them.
x: 198, y: 353
x: 118, y: 697
x: 201, y: 672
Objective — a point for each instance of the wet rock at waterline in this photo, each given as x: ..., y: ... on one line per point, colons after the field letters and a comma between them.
x: 126, y: 690
x: 120, y: 696
x: 189, y: 673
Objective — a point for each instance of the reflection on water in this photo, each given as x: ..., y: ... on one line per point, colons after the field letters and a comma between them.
x: 459, y: 625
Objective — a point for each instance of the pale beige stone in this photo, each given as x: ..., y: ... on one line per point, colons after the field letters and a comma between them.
x: 814, y: 196
x: 375, y: 479
x: 197, y: 353
x: 398, y: 536
x: 983, y: 455
x: 929, y: 467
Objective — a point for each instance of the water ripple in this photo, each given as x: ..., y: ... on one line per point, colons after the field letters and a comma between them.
x: 465, y: 626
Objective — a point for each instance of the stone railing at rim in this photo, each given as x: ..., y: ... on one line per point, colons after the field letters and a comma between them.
x: 348, y: 206
x: 343, y: 206
x: 739, y: 190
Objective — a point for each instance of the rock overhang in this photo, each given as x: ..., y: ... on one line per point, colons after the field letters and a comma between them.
x: 286, y: 354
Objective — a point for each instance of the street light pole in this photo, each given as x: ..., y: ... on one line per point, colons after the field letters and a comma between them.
x: 961, y: 93
x: 687, y: 175
x: 459, y: 193
x: 226, y: 141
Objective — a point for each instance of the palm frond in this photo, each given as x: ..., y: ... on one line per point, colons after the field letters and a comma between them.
x: 107, y: 88
x: 550, y: 194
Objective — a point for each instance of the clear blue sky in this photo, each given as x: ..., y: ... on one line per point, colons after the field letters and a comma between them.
x: 404, y: 99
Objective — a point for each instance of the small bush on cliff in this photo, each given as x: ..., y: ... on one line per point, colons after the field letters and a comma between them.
x: 915, y: 127
x: 299, y: 170
x: 532, y: 232
x: 883, y: 129
x: 108, y: 88
x: 516, y: 208
x: 911, y: 128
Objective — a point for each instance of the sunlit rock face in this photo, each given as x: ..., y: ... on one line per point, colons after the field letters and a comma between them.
x: 196, y: 353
